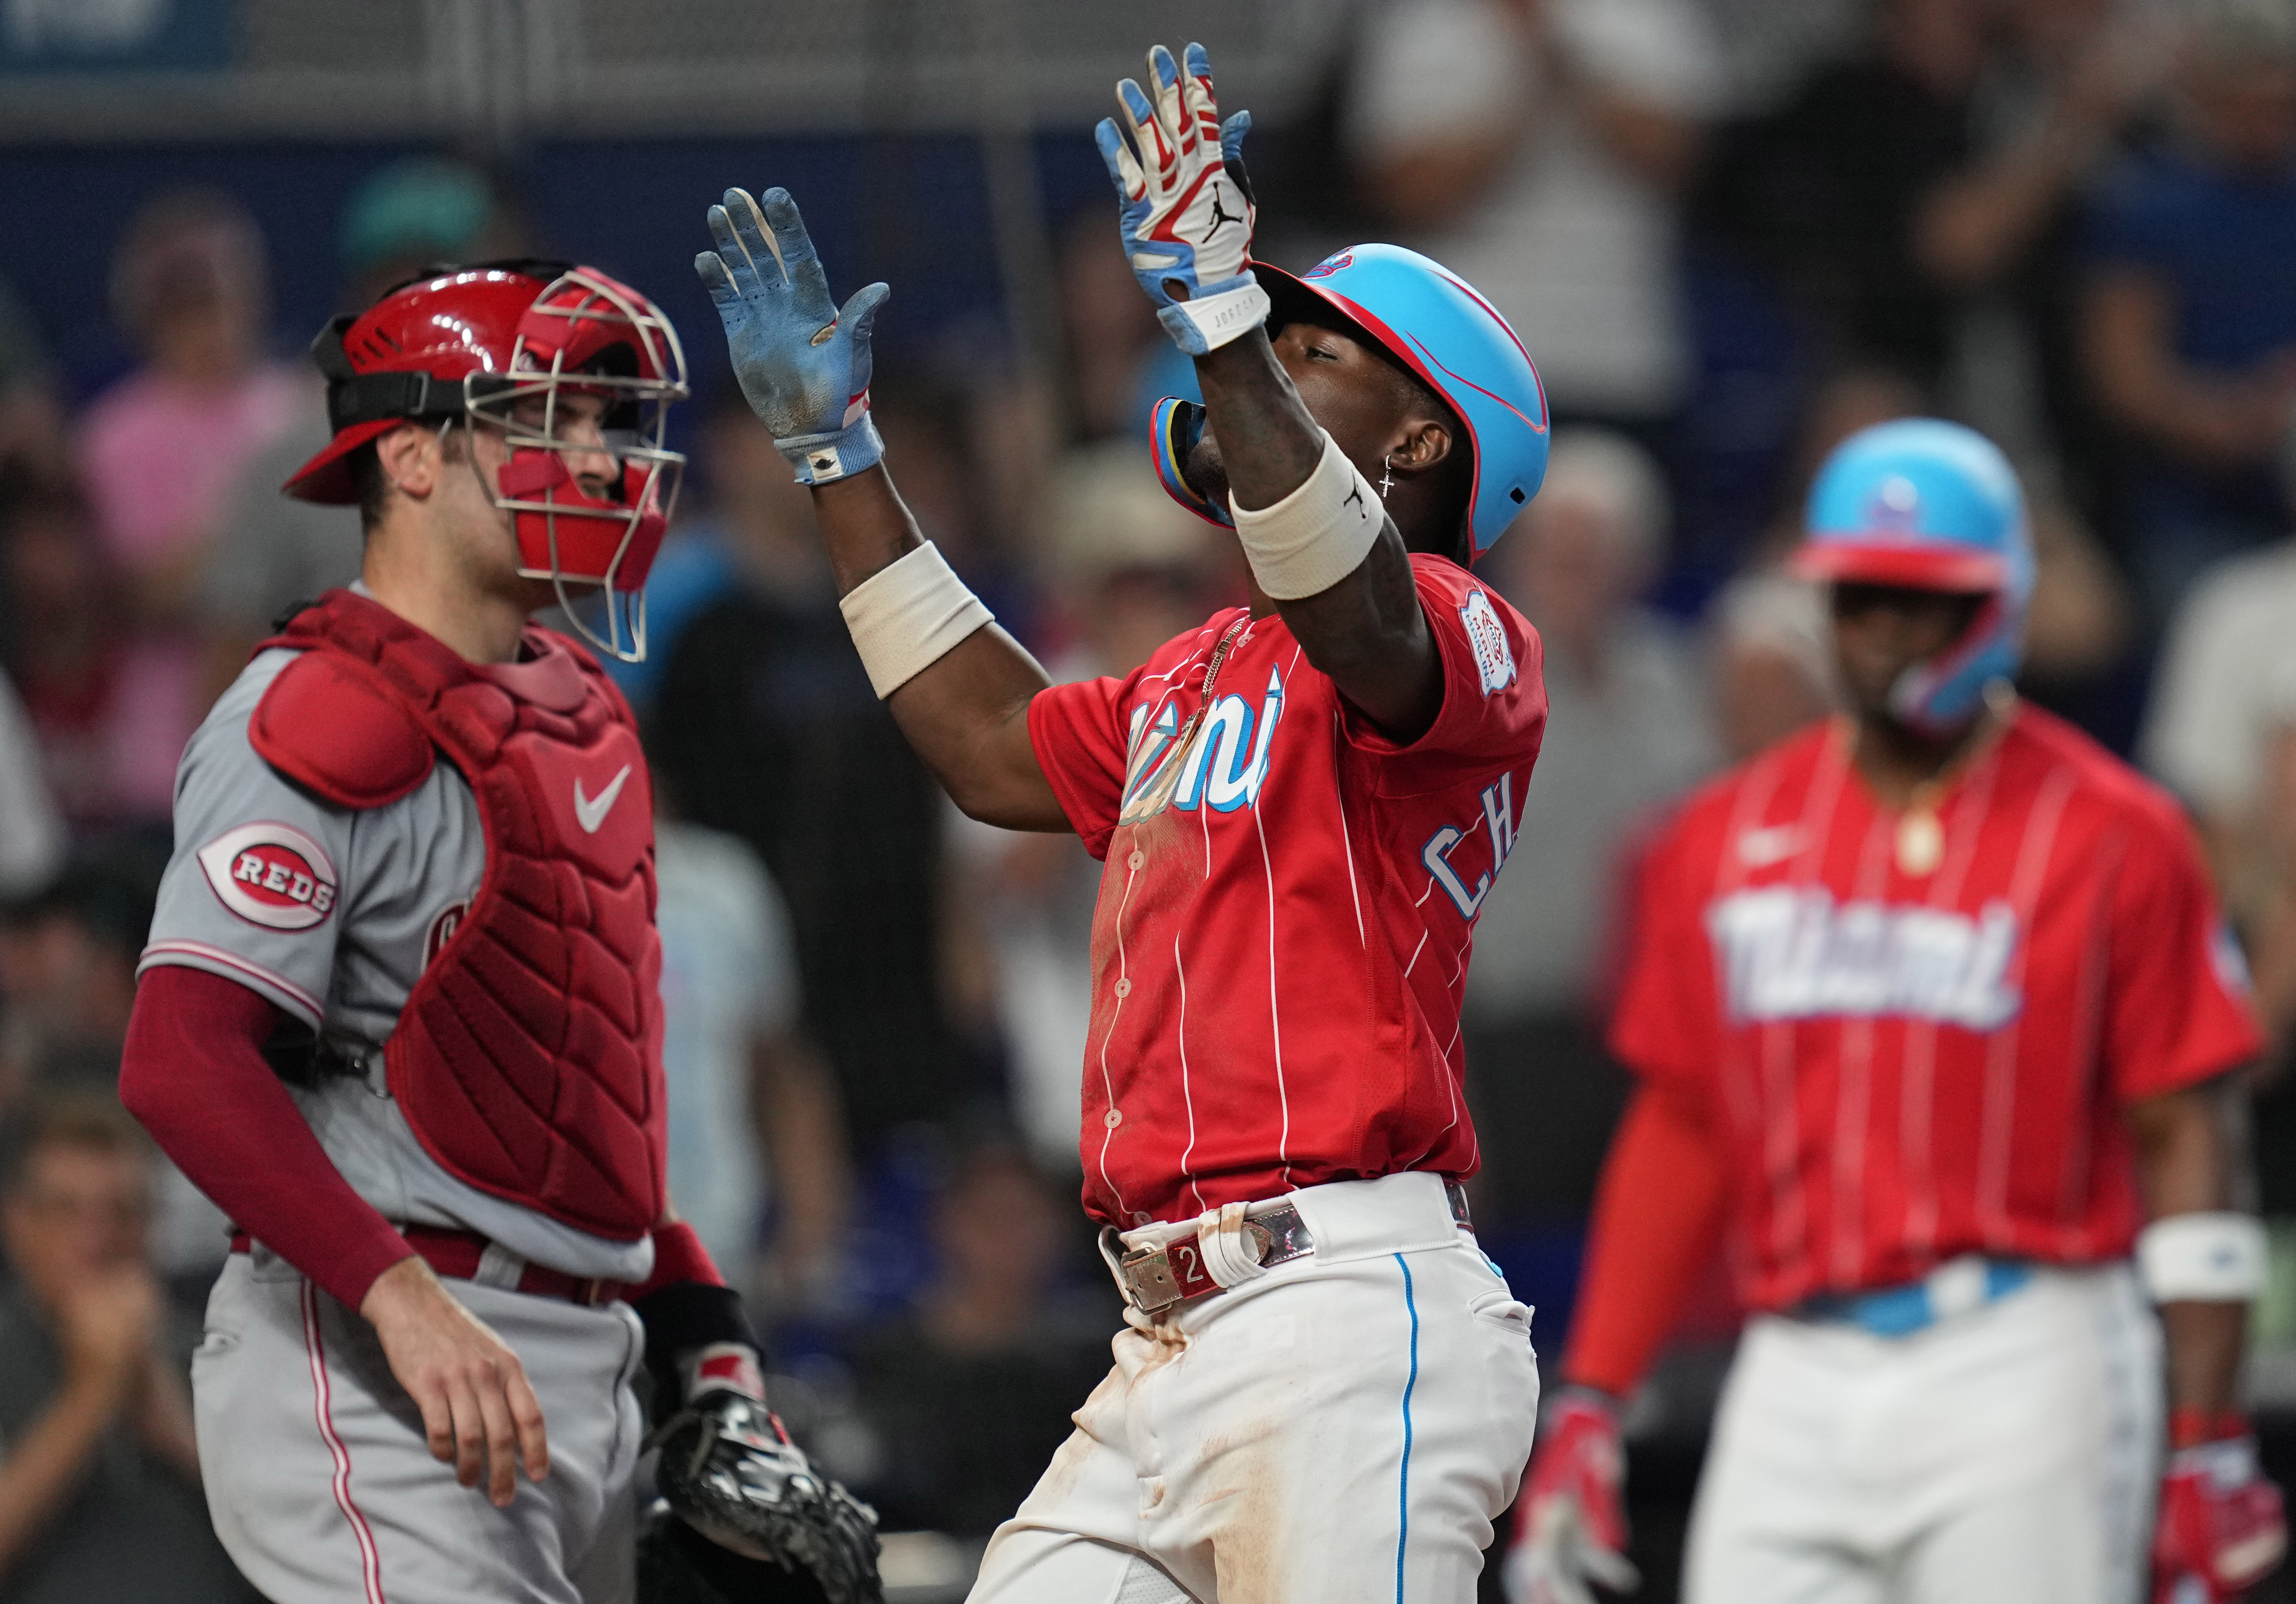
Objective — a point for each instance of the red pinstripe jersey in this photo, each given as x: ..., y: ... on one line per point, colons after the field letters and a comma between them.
x: 1903, y: 1066
x: 1281, y: 938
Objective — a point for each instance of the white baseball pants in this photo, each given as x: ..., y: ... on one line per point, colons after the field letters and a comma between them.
x: 323, y: 1490
x: 2005, y: 1456
x: 1341, y: 1430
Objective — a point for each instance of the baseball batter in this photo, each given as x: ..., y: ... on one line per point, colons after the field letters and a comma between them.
x: 1932, y: 1012
x: 1323, y: 1391
x: 400, y: 1014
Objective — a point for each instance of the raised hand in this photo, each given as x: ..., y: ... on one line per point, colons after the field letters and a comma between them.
x: 107, y: 1326
x: 802, y: 364
x: 1184, y: 217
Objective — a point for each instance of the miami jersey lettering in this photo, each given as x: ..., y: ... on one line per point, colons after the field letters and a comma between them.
x: 1906, y: 1066
x: 1287, y: 912
x: 1794, y: 952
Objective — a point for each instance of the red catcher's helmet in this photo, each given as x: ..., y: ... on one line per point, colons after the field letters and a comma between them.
x: 484, y: 345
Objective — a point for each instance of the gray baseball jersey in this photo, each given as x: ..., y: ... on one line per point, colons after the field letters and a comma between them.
x: 332, y: 913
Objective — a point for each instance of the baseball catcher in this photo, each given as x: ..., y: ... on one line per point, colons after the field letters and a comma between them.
x: 400, y: 1013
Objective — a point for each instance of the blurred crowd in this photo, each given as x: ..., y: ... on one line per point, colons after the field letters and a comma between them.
x: 1730, y: 232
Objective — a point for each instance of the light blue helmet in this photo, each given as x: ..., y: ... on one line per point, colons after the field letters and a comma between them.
x: 1926, y: 505
x: 1434, y: 324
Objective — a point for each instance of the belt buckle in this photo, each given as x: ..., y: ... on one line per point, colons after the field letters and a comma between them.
x: 1148, y: 1279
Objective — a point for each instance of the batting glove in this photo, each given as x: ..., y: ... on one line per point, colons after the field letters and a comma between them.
x: 2221, y: 1529
x: 803, y: 365
x: 1571, y: 1522
x: 1185, y: 217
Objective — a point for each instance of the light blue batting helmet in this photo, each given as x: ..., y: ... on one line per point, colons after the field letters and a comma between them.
x: 1432, y: 322
x: 1924, y: 505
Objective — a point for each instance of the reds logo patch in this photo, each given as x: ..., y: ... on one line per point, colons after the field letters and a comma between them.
x: 1494, y: 662
x: 272, y: 875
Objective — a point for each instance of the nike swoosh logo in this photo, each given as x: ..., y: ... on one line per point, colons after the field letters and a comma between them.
x: 1760, y: 848
x: 590, y: 811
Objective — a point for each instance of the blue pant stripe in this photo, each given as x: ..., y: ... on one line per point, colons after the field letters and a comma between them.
x: 1403, y: 1496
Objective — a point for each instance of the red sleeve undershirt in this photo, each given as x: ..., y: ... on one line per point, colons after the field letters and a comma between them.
x: 1657, y: 1216
x: 194, y: 1074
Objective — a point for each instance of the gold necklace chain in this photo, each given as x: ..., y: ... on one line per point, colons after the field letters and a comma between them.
x: 1921, y: 833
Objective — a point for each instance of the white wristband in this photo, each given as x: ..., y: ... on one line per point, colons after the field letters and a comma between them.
x: 1317, y: 535
x: 2214, y: 1258
x: 908, y: 615
x: 1202, y: 325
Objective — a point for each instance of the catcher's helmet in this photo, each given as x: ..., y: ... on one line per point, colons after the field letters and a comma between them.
x: 1432, y: 322
x: 1926, y: 505
x: 486, y: 344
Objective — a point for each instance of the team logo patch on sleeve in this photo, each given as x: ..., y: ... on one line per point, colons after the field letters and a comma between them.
x: 272, y: 875
x: 1494, y: 662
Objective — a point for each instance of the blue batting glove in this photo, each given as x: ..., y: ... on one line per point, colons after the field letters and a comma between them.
x: 1186, y: 219
x: 803, y: 365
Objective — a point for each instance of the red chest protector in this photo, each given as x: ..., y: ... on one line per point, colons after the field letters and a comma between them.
x: 528, y: 1057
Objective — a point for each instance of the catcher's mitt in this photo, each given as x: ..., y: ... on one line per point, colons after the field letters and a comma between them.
x: 730, y: 1472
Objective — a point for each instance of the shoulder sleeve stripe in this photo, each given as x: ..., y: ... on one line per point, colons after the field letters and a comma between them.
x: 290, y: 994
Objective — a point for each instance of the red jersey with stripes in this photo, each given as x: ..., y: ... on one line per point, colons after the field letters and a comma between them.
x: 1906, y: 1067
x: 1284, y: 921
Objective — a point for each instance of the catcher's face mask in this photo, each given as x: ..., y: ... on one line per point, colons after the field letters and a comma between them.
x: 507, y: 345
x: 586, y: 335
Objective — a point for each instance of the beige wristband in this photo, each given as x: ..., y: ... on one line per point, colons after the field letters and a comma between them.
x: 908, y: 615
x: 1317, y: 535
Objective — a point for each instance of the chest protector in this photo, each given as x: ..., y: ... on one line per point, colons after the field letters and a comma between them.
x: 528, y: 1058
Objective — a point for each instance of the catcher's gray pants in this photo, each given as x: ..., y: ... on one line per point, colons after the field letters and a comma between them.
x: 323, y: 1490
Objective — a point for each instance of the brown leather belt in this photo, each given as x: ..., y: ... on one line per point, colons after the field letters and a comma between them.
x: 1154, y: 1279
x: 455, y: 1255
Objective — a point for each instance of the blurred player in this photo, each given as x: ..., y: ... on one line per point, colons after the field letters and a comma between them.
x: 1324, y: 1390
x: 400, y: 1014
x: 1932, y: 1011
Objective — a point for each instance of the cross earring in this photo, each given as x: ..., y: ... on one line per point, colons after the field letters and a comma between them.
x: 1386, y: 476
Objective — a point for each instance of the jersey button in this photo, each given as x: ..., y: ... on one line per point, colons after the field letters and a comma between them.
x: 1113, y: 1118
x: 1136, y: 859
x: 1124, y: 988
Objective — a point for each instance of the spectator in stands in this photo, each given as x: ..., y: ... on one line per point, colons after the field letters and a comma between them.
x: 1119, y: 363
x: 99, y: 1488
x: 32, y: 431
x: 1826, y: 194
x: 162, y: 448
x: 1628, y: 730
x: 753, y: 1113
x: 66, y: 654
x: 1769, y: 660
x: 1535, y: 147
x: 2001, y: 233
x: 2221, y: 733
x: 765, y: 726
x: 273, y: 549
x: 67, y: 957
x: 2220, y: 698
x: 748, y: 500
x: 2191, y: 306
x: 969, y: 1395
